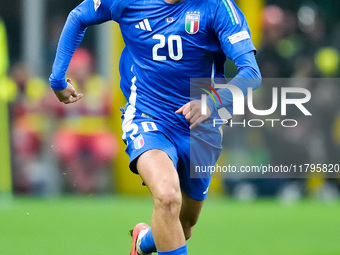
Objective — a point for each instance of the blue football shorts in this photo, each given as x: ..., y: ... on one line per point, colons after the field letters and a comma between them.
x: 142, y: 133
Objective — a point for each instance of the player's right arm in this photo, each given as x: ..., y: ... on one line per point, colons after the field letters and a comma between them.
x: 88, y: 13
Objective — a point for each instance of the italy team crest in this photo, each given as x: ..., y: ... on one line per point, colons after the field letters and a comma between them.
x: 139, y: 142
x: 192, y: 22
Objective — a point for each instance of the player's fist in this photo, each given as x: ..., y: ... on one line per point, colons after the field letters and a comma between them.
x: 193, y: 113
x: 69, y: 94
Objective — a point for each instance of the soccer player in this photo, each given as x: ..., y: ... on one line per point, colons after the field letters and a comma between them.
x: 167, y: 43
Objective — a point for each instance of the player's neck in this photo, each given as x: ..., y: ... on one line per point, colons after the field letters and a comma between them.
x: 173, y: 1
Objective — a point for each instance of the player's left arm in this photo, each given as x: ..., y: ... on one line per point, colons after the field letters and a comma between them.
x: 248, y: 76
x: 233, y: 33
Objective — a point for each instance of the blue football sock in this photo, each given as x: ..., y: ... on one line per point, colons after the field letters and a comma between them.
x: 180, y: 251
x: 147, y: 244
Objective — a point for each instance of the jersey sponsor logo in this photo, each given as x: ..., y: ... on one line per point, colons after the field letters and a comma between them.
x: 238, y: 37
x: 139, y: 142
x: 144, y: 25
x: 192, y: 22
x: 97, y: 3
x: 170, y: 20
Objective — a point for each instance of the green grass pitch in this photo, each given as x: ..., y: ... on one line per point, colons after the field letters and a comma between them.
x: 100, y: 225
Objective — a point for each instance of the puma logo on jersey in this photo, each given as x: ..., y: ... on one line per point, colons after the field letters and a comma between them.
x: 144, y: 25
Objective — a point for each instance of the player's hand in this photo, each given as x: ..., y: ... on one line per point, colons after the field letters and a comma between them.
x: 193, y: 113
x: 69, y: 94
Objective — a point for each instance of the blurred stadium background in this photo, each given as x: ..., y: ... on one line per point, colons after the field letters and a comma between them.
x: 64, y: 183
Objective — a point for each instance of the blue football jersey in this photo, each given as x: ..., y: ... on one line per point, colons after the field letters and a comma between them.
x: 166, y: 45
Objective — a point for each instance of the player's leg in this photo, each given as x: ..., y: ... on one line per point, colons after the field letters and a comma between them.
x: 154, y: 156
x: 159, y: 174
x: 190, y: 212
x: 195, y: 151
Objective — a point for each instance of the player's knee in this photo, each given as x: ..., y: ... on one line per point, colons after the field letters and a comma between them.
x: 168, y: 200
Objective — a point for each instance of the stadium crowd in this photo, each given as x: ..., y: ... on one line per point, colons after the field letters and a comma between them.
x: 57, y: 148
x: 298, y: 49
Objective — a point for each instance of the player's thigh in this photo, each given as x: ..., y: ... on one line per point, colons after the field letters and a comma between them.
x: 143, y: 134
x: 159, y: 174
x: 152, y: 154
x: 195, y: 154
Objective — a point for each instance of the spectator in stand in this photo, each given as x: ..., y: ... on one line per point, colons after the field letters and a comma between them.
x: 84, y: 143
x: 29, y: 126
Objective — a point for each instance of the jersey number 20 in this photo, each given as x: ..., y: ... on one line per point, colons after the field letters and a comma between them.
x: 171, y: 42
